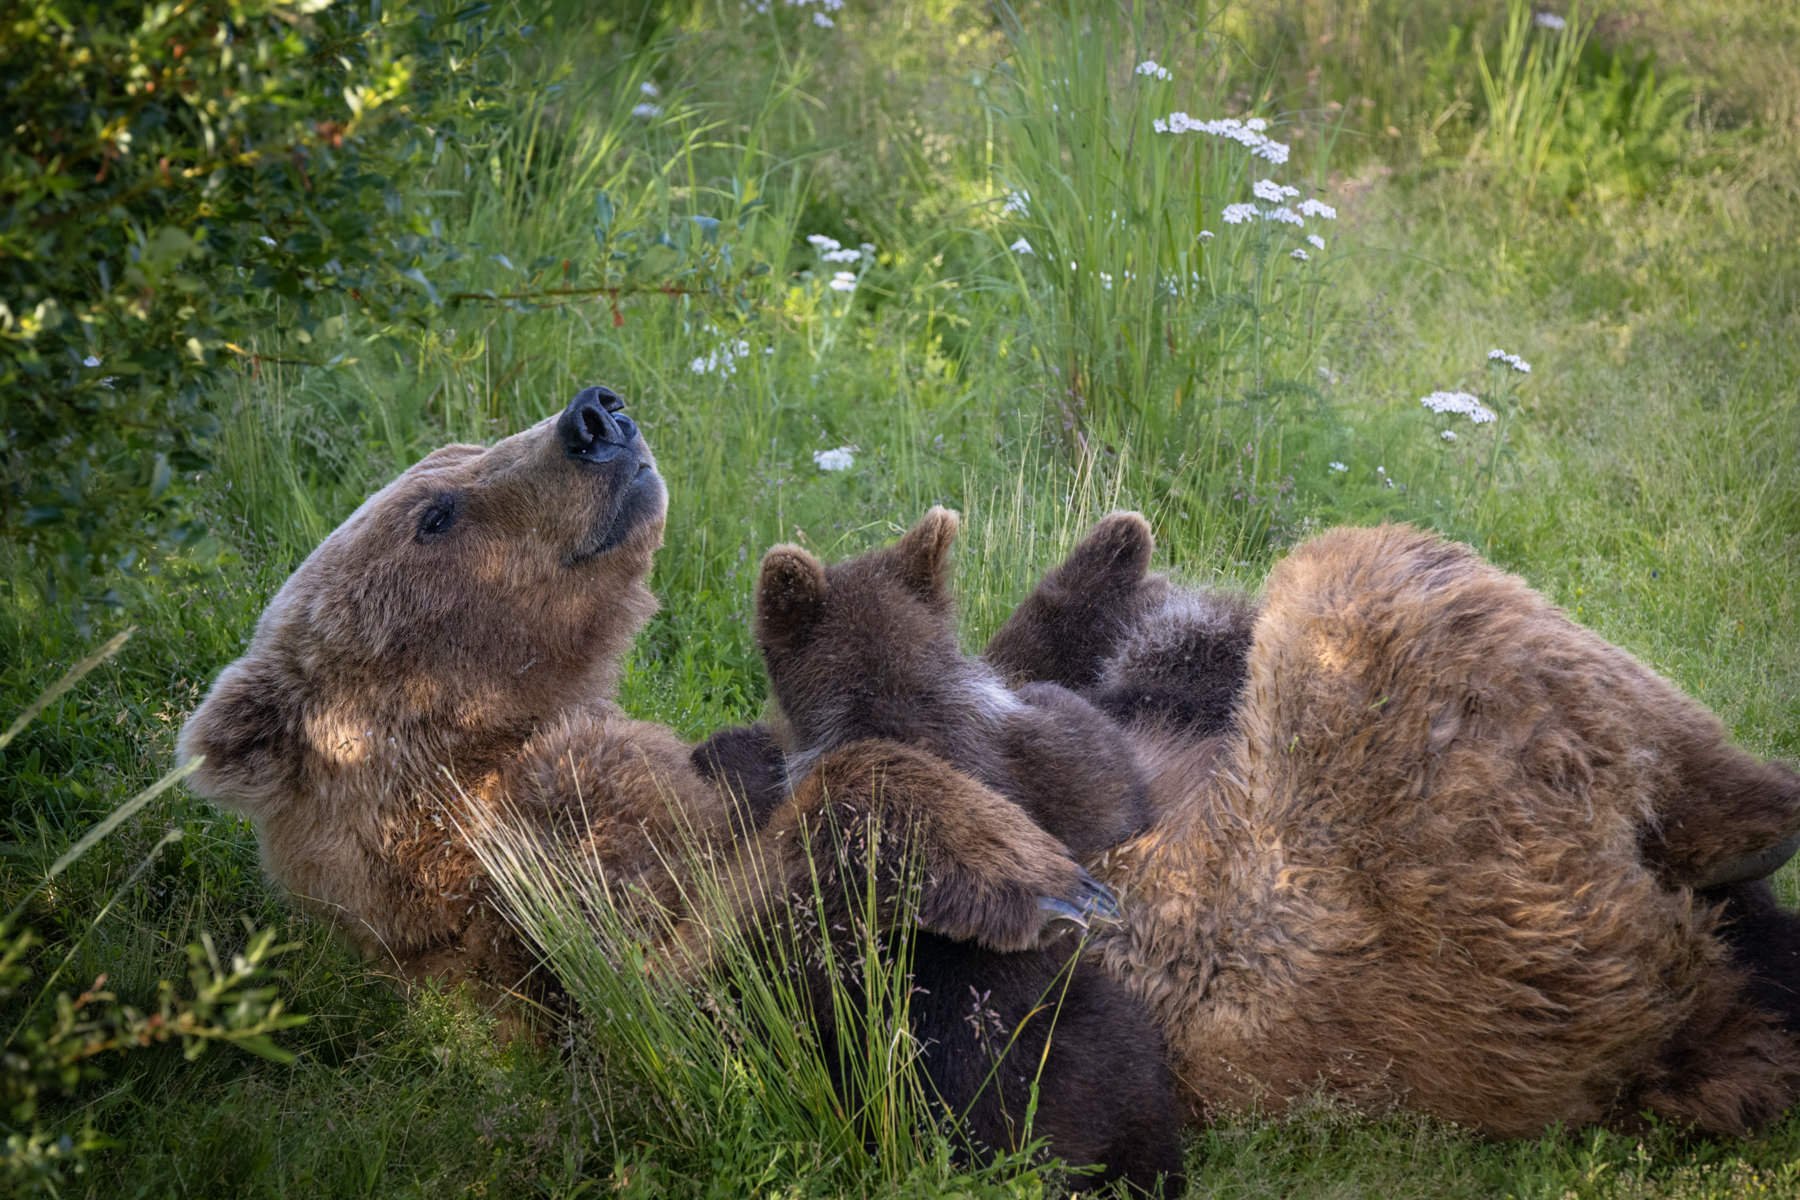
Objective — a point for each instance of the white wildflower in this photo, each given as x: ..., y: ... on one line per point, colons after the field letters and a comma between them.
x: 1149, y: 67
x: 265, y: 239
x: 848, y: 254
x: 1459, y: 402
x: 1272, y: 150
x: 1160, y: 125
x: 1298, y: 254
x: 1449, y: 435
x: 823, y: 244
x: 1338, y: 467
x: 1237, y: 214
x: 1274, y: 193
x: 1256, y: 124
x: 90, y: 362
x: 722, y: 360
x: 1018, y: 204
x: 649, y: 88
x: 1021, y: 247
x: 1512, y: 360
x: 823, y: 21
x: 843, y: 281
x: 1317, y: 208
x: 840, y: 459
x: 1315, y: 241
x: 646, y: 111
x: 1106, y: 281
x: 1205, y: 235
x: 1549, y: 20
x: 1285, y: 215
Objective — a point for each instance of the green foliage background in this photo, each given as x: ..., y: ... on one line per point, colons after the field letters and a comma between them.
x: 307, y: 242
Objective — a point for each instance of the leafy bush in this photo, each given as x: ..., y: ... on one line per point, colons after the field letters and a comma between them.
x: 173, y: 177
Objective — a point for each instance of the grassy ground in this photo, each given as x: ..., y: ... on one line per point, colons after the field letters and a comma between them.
x: 1618, y: 210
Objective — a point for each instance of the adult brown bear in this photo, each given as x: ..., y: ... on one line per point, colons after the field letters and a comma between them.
x: 468, y: 621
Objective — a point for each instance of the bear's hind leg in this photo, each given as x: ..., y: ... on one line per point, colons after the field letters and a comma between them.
x: 1730, y: 1069
x: 1071, y: 623
x: 1730, y: 817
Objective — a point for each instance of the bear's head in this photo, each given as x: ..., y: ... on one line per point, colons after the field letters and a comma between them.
x: 477, y: 596
x: 861, y: 648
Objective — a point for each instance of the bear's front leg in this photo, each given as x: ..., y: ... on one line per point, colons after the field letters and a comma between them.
x: 880, y: 823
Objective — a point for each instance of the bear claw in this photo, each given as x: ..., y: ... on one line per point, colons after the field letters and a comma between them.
x: 1092, y: 900
x: 1749, y: 867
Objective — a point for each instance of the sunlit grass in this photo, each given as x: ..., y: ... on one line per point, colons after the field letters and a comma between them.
x: 1646, y: 475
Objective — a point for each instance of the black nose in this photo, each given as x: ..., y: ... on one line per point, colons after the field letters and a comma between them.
x: 594, y: 426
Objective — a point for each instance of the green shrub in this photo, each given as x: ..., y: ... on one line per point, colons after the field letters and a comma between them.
x: 173, y: 174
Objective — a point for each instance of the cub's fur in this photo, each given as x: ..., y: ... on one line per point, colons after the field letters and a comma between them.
x: 1439, y: 853
x: 446, y: 661
x: 867, y: 649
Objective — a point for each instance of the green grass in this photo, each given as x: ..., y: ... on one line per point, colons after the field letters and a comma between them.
x: 1637, y: 248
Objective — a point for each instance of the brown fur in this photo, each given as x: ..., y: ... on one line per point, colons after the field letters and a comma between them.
x: 418, y: 680
x: 1414, y: 871
x: 867, y: 648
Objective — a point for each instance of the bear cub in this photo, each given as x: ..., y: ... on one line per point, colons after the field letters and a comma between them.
x: 867, y: 649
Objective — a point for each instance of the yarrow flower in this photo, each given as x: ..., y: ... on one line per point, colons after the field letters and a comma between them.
x: 1149, y: 67
x: 840, y: 459
x: 1317, y: 208
x: 1512, y: 360
x: 846, y: 255
x: 1018, y: 204
x: 1274, y: 193
x: 843, y: 281
x: 1299, y: 254
x: 1021, y: 247
x: 646, y: 111
x: 1248, y: 134
x: 1549, y: 20
x: 1468, y: 405
x: 1449, y: 435
x: 1285, y: 215
x: 1106, y: 281
x: 90, y: 362
x: 649, y: 88
x: 722, y: 360
x: 1315, y: 241
x: 1337, y: 466
x: 1205, y: 235
x: 1237, y: 214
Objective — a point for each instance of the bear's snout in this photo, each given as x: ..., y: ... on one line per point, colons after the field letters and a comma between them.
x: 594, y: 428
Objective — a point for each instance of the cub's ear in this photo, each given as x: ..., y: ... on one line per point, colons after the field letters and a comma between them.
x: 246, y: 732
x: 790, y: 598
x: 923, y: 555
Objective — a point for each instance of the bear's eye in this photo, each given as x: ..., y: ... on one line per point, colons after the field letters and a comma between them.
x: 438, y: 516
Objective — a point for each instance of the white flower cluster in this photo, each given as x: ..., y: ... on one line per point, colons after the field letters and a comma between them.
x: 1449, y: 435
x: 840, y: 459
x: 721, y: 361
x: 833, y: 251
x: 1512, y: 360
x: 1459, y: 402
x: 1248, y: 134
x: 1237, y: 214
x: 1549, y: 20
x: 1149, y: 67
x: 819, y: 17
x: 1315, y: 241
x: 1274, y: 193
x: 1285, y: 215
x: 1018, y: 204
x: 1021, y: 247
x: 646, y: 111
x: 1298, y: 255
x: 1317, y: 208
x: 1338, y: 467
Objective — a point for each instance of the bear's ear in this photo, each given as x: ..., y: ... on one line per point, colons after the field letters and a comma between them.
x: 245, y: 733
x: 923, y: 555
x: 790, y: 598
